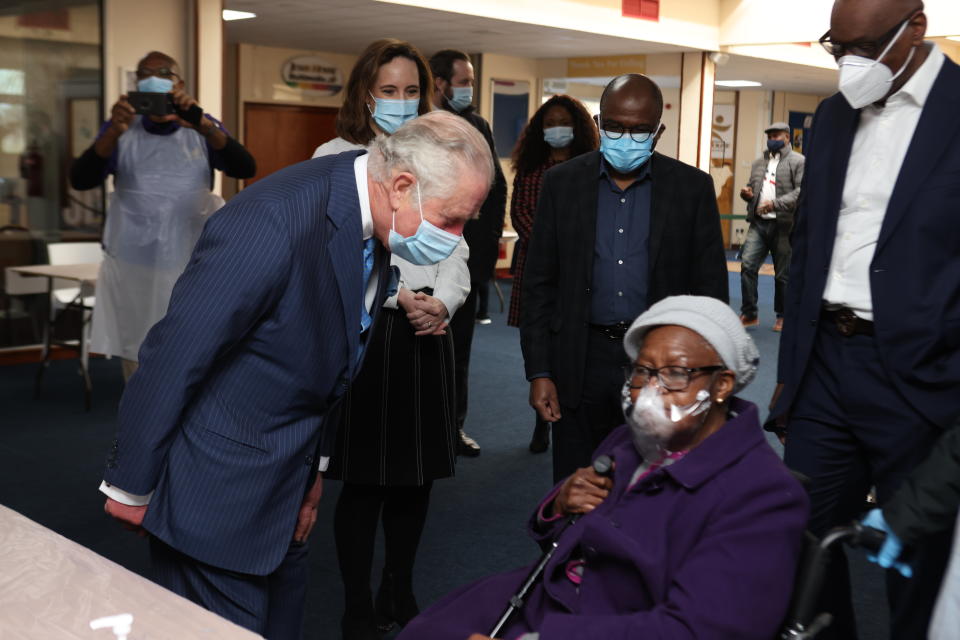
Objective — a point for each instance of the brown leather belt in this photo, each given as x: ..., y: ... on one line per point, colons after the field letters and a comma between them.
x: 612, y: 331
x: 847, y: 322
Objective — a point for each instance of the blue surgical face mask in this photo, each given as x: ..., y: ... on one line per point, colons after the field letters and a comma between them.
x: 774, y: 146
x: 558, y: 137
x: 624, y: 154
x: 391, y: 114
x: 429, y: 245
x: 153, y: 84
x: 462, y: 98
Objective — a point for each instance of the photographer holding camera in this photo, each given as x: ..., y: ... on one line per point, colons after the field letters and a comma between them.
x: 162, y: 150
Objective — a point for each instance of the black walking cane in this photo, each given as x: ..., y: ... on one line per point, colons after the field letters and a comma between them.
x: 603, y: 465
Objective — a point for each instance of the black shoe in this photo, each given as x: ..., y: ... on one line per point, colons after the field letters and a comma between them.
x: 395, y: 603
x: 359, y: 627
x: 467, y: 446
x: 484, y: 320
x: 540, y: 441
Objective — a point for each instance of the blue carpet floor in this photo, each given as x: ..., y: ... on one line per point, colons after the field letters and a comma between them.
x: 53, y: 452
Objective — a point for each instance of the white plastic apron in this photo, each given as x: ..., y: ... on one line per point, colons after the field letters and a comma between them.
x: 154, y: 219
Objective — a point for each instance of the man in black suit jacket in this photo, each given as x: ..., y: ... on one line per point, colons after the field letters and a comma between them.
x: 453, y: 91
x: 870, y: 354
x: 615, y: 231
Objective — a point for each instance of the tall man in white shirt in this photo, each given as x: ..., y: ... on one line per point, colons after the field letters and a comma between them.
x: 771, y: 197
x: 869, y: 365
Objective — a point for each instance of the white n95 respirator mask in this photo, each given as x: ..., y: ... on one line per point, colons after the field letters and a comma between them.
x: 864, y: 81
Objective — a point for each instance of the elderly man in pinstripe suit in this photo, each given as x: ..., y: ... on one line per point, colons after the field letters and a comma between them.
x: 221, y: 430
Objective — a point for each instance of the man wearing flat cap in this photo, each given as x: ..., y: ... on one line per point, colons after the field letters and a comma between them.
x: 771, y: 197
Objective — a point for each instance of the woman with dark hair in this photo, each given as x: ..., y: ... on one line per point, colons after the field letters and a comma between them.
x: 397, y: 430
x: 560, y: 129
x: 390, y: 83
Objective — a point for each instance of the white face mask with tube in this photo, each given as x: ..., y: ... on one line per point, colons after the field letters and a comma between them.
x: 864, y: 81
x: 647, y: 418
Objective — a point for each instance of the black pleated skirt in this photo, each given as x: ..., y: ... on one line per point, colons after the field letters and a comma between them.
x: 397, y: 422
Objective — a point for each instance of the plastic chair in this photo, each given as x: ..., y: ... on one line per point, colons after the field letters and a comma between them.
x: 67, y: 294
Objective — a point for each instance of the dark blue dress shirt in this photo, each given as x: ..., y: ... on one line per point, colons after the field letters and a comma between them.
x: 621, y: 254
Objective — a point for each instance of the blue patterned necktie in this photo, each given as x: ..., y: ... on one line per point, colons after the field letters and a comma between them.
x: 365, y: 319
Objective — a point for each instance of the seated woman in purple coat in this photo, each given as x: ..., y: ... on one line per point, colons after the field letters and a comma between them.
x: 697, y: 533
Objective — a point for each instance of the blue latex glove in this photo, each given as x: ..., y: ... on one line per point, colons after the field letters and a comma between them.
x: 890, y: 551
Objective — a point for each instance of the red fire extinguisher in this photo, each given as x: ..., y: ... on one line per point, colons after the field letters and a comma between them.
x: 31, y: 170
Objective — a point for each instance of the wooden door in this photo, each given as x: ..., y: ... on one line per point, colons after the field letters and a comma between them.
x: 280, y: 135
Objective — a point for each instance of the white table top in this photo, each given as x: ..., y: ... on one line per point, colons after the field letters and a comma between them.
x: 51, y: 588
x: 79, y: 272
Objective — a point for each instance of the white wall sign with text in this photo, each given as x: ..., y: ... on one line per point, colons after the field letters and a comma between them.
x: 312, y: 74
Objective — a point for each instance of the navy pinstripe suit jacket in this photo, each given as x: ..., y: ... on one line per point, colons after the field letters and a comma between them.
x: 261, y: 337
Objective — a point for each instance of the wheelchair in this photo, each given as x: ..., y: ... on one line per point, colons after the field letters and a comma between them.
x: 803, y: 621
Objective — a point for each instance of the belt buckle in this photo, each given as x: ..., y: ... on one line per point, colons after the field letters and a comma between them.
x: 618, y: 331
x: 846, y: 322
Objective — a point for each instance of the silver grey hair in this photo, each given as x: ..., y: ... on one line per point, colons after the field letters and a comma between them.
x: 438, y: 148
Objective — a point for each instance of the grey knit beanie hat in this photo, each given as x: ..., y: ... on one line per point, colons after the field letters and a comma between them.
x: 709, y: 317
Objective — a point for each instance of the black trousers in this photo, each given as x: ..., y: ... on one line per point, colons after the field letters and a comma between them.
x: 271, y: 605
x: 461, y: 325
x: 580, y: 430
x: 483, y: 298
x: 851, y: 429
x: 403, y: 511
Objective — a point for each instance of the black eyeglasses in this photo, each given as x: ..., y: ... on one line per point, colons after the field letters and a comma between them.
x: 864, y: 48
x: 615, y: 131
x: 160, y: 72
x: 671, y: 378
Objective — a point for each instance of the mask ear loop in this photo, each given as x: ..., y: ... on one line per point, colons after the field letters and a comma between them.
x: 699, y: 406
x: 893, y: 41
x: 905, y: 65
x: 889, y: 46
x: 419, y: 200
x: 419, y: 206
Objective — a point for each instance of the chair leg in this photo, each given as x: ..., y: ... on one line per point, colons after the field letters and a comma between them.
x: 499, y: 291
x: 32, y: 305
x: 47, y: 336
x: 5, y: 306
x: 85, y: 332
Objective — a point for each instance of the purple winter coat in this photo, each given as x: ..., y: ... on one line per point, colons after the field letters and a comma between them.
x: 703, y: 549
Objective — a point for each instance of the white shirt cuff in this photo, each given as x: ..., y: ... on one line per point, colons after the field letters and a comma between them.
x: 129, y: 499
x: 324, y: 463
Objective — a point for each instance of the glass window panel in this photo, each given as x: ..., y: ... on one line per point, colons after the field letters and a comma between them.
x: 50, y: 112
x: 11, y: 82
x: 12, y: 120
